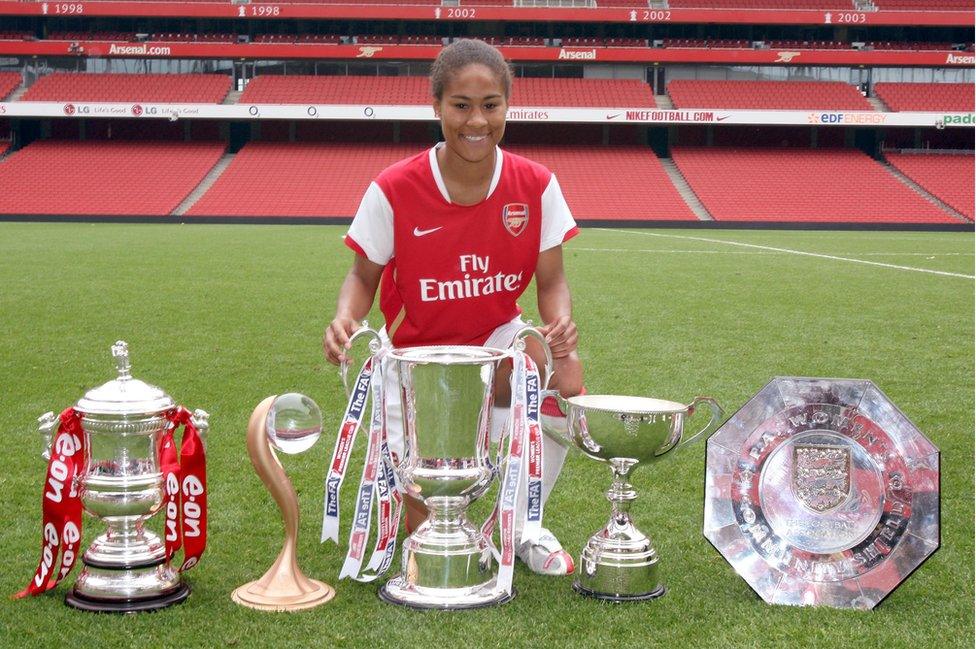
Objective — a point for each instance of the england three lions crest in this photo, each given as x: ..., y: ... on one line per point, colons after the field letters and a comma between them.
x: 821, y: 476
x: 515, y: 216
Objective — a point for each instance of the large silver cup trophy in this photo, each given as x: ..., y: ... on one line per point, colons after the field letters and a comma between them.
x: 125, y: 568
x: 619, y: 563
x: 447, y: 393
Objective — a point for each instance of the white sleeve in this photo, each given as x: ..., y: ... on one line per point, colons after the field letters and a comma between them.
x: 372, y: 227
x: 557, y: 220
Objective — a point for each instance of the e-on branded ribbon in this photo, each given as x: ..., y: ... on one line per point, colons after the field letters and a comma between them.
x: 61, y: 506
x: 185, y: 483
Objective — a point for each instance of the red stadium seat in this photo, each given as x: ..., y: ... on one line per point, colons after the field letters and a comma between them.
x: 175, y: 88
x: 581, y: 93
x: 802, y: 185
x: 607, y: 182
x: 104, y: 177
x: 298, y: 179
x: 302, y: 89
x: 765, y: 95
x: 926, y: 96
x: 9, y: 81
x: 949, y: 177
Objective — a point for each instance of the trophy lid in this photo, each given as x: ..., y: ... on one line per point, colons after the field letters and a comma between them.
x: 124, y: 395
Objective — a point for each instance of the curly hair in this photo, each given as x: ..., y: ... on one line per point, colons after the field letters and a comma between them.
x: 464, y: 52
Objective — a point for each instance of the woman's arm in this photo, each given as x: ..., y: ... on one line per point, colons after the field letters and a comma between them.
x: 355, y: 300
x: 555, y: 303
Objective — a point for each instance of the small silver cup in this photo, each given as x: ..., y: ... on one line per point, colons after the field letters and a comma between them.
x: 619, y: 563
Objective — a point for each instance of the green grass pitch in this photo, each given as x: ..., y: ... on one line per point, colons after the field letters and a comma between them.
x: 221, y: 316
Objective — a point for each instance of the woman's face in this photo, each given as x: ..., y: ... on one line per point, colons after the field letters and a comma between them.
x: 472, y: 112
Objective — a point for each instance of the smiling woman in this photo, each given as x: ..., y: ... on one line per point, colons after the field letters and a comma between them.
x: 452, y: 237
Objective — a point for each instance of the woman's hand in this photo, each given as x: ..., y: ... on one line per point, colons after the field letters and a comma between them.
x: 335, y: 340
x: 561, y: 335
x: 355, y: 299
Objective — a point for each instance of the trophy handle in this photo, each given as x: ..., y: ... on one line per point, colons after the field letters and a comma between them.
x: 47, y: 426
x: 717, y: 414
x: 374, y: 346
x: 519, y: 345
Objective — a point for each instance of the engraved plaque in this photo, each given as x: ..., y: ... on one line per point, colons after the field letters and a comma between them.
x: 821, y: 492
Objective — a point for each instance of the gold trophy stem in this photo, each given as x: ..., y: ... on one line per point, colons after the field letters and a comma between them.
x: 283, y: 587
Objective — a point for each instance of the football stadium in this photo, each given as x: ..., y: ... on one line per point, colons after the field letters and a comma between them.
x: 765, y: 190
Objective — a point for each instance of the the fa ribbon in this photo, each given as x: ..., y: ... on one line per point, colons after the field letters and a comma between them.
x: 525, y: 409
x: 351, y: 421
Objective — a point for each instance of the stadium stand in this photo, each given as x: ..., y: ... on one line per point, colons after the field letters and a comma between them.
x: 765, y: 95
x: 808, y: 45
x: 302, y: 89
x: 603, y: 93
x: 949, y: 177
x: 762, y: 4
x: 714, y: 43
x: 328, y: 179
x: 9, y: 81
x: 602, y: 182
x: 91, y: 36
x: 298, y: 179
x: 103, y: 177
x: 913, y: 46
x: 924, y: 5
x: 800, y: 185
x: 177, y: 88
x: 926, y: 96
x: 4, y: 147
x: 8, y: 35
x: 607, y: 93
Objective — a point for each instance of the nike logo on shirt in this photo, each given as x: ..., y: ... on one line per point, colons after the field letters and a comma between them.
x: 417, y: 232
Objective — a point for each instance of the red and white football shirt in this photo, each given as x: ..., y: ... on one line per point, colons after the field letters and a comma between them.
x: 454, y: 272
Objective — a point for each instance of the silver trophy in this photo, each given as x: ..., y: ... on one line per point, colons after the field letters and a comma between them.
x: 447, y: 394
x: 821, y: 492
x: 125, y: 569
x: 619, y: 563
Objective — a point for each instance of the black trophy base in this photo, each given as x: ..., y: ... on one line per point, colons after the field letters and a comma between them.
x: 610, y: 597
x: 82, y: 602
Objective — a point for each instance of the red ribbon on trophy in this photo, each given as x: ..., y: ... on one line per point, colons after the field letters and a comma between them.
x: 61, y: 506
x: 185, y: 489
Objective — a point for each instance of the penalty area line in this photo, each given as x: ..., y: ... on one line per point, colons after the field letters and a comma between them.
x: 791, y: 251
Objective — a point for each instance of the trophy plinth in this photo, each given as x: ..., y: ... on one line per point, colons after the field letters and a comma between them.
x: 619, y: 563
x: 447, y: 393
x: 290, y: 423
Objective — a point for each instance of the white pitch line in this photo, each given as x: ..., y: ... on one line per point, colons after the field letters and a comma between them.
x: 672, y: 251
x: 795, y: 252
x: 929, y: 255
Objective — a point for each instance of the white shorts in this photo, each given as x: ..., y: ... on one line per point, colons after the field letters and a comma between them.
x: 500, y: 338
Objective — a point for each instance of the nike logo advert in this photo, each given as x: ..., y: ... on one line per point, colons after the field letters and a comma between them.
x: 417, y: 232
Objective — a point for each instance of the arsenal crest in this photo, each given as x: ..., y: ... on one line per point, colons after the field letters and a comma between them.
x: 515, y: 216
x: 821, y: 476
